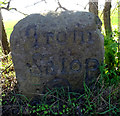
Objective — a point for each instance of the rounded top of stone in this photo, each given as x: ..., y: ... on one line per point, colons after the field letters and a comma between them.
x: 66, y: 20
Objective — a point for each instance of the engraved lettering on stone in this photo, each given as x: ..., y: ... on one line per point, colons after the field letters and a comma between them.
x: 75, y: 66
x: 32, y: 27
x: 91, y: 65
x: 63, y: 71
x: 50, y: 68
x: 61, y: 37
x: 49, y: 36
x: 79, y: 35
x: 90, y: 37
x: 36, y: 60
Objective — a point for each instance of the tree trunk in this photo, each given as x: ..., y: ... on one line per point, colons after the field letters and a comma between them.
x: 93, y: 7
x: 106, y: 18
x: 5, y: 44
x: 0, y: 28
x: 3, y: 39
x: 119, y: 37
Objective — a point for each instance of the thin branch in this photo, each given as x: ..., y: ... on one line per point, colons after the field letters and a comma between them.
x: 49, y: 96
x: 40, y: 1
x: 94, y: 4
x: 116, y: 6
x: 60, y: 6
x: 6, y: 68
x: 18, y: 11
x: 4, y: 56
x: 36, y: 3
x: 86, y: 5
x: 8, y: 8
x: 4, y: 3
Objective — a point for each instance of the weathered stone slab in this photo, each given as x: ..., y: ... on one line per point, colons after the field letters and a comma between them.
x: 56, y: 50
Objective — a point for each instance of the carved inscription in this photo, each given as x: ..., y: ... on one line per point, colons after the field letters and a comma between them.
x: 75, y: 66
x: 33, y: 29
x: 56, y: 50
x: 61, y: 37
x: 49, y: 67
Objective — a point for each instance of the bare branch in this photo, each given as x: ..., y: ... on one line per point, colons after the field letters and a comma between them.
x: 4, y: 3
x: 7, y: 68
x: 13, y: 9
x: 60, y: 6
x: 94, y: 3
x: 36, y: 3
x: 8, y: 8
x: 18, y: 11
x: 86, y: 5
x: 4, y: 56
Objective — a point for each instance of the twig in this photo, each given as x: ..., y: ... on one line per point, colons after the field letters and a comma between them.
x: 104, y: 100
x: 60, y: 6
x: 6, y: 68
x: 18, y: 11
x: 98, y: 94
x: 97, y: 81
x: 86, y: 5
x: 13, y: 9
x: 8, y: 8
x: 48, y: 96
x: 54, y: 103
x: 36, y: 3
x: 5, y: 56
x: 94, y: 4
x: 40, y: 1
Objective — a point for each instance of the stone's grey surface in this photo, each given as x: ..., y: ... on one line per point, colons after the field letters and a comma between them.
x: 56, y: 49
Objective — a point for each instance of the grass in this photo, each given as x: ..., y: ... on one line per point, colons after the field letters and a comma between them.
x: 9, y: 27
x: 61, y: 101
